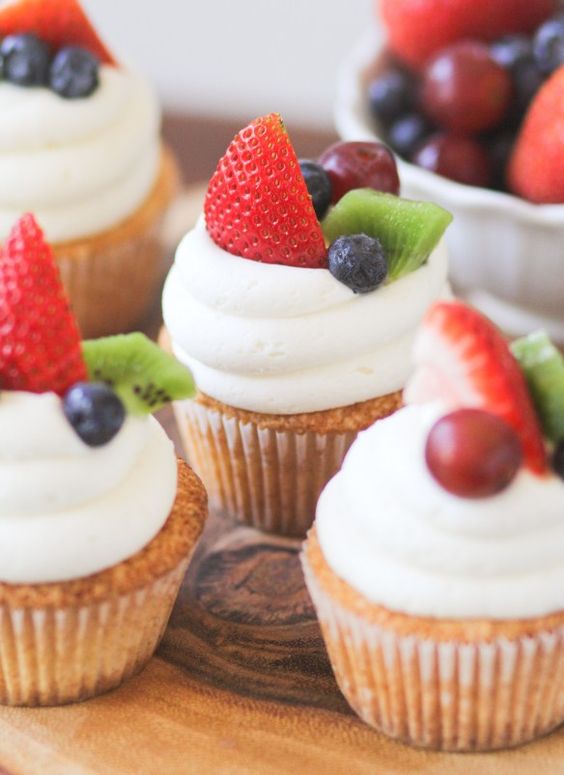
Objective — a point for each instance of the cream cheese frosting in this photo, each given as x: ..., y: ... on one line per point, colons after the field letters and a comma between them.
x: 80, y: 165
x: 388, y: 529
x: 68, y: 510
x: 284, y: 340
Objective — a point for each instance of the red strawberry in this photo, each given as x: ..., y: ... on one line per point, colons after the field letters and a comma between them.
x: 40, y: 346
x: 57, y: 22
x: 463, y: 360
x: 536, y: 167
x: 417, y: 29
x: 257, y: 204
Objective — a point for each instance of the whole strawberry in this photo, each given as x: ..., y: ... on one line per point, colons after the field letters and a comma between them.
x: 257, y: 204
x: 417, y: 29
x: 536, y: 167
x: 40, y: 346
x: 57, y: 22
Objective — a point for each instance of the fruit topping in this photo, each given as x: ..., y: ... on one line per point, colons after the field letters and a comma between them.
x: 456, y: 157
x: 318, y: 185
x: 390, y: 94
x: 57, y: 23
x: 359, y: 262
x: 548, y: 44
x: 535, y: 167
x: 558, y: 460
x: 257, y: 204
x: 417, y: 29
x: 74, y: 73
x: 543, y: 366
x: 39, y: 339
x: 473, y: 453
x: 407, y: 230
x: 360, y: 165
x: 25, y: 60
x: 462, y: 360
x: 95, y: 412
x: 143, y: 375
x: 464, y: 89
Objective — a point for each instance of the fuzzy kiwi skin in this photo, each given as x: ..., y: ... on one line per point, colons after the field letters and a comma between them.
x: 144, y: 376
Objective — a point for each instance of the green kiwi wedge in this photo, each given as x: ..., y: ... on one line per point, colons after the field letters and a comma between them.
x: 408, y: 230
x: 144, y: 376
x: 543, y: 366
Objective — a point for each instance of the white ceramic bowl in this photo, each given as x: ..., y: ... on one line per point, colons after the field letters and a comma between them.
x: 507, y: 255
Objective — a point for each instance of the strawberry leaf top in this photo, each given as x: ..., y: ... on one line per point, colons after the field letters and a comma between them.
x: 257, y: 205
x: 56, y: 22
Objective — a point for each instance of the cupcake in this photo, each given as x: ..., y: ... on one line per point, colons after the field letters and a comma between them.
x: 98, y: 519
x: 80, y: 147
x: 296, y: 346
x: 435, y: 561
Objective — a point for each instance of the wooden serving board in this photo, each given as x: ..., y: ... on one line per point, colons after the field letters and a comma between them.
x: 240, y: 684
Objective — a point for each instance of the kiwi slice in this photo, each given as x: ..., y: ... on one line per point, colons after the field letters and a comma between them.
x: 408, y: 230
x: 143, y: 375
x: 543, y: 366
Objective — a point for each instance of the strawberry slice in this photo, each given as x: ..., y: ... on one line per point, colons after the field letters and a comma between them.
x: 57, y: 22
x: 417, y: 29
x: 40, y: 346
x: 257, y: 204
x: 537, y: 162
x: 463, y: 361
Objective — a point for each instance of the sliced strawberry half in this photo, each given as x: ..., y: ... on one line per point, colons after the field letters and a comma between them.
x: 257, y: 204
x: 57, y: 22
x: 40, y: 346
x: 462, y: 360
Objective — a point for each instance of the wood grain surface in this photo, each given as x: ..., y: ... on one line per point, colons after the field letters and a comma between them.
x: 240, y: 684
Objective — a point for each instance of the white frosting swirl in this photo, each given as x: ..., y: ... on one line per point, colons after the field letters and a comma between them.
x: 68, y: 510
x: 388, y: 529
x: 284, y: 340
x: 80, y: 165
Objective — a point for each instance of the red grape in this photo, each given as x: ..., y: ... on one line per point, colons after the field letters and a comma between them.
x: 360, y: 165
x: 456, y: 157
x: 464, y: 89
x: 473, y: 453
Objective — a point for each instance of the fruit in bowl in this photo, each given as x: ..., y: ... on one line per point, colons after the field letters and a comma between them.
x: 496, y: 230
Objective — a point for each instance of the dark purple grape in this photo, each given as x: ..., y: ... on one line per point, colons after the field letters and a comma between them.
x: 456, y: 157
x: 406, y: 134
x: 548, y: 44
x: 390, y: 95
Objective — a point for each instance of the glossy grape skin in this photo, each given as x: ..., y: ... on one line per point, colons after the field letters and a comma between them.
x: 464, y: 89
x: 472, y: 453
x: 456, y: 157
x: 360, y: 165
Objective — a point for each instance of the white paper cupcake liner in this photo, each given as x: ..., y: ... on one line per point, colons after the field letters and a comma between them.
x: 268, y: 479
x: 444, y: 694
x: 57, y: 655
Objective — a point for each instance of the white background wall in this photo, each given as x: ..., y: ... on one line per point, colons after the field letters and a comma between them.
x: 238, y: 58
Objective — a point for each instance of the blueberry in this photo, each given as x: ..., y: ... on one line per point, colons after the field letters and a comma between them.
x: 558, y: 459
x: 390, y: 95
x: 359, y: 262
x: 74, y: 73
x: 407, y: 133
x: 548, y: 44
x: 318, y: 184
x: 25, y: 60
x: 527, y: 80
x: 95, y: 412
x: 511, y: 50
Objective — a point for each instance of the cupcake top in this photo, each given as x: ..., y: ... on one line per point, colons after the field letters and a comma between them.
x: 87, y: 476
x: 79, y: 141
x: 449, y: 508
x: 301, y: 288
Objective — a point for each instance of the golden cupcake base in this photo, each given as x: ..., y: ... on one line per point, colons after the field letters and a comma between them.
x: 68, y: 641
x: 112, y: 277
x: 448, y: 685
